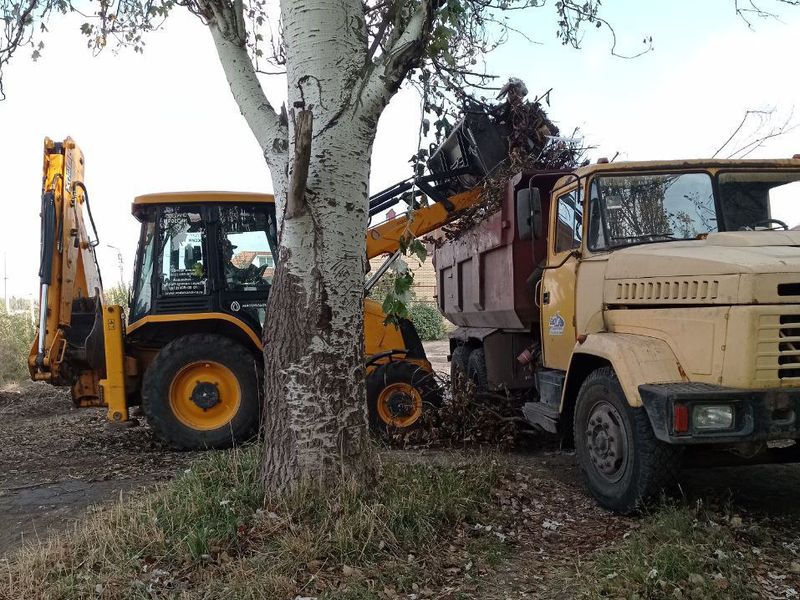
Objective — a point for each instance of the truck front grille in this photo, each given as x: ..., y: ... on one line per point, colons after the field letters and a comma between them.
x: 778, y: 354
x: 789, y: 347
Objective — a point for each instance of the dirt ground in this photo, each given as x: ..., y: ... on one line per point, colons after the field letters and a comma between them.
x: 56, y: 461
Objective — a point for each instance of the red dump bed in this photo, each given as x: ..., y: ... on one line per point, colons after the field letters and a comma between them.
x: 484, y: 276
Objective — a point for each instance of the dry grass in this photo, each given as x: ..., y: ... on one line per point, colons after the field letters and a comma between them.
x: 209, y: 535
x: 678, y: 551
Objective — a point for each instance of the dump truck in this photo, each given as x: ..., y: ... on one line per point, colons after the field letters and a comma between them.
x: 190, y: 352
x: 646, y: 312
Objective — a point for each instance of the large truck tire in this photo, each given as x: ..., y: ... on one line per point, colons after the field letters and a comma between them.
x: 458, y: 369
x: 622, y: 462
x: 202, y: 391
x: 399, y: 394
x: 476, y: 370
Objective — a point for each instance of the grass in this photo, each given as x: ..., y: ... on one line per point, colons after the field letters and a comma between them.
x: 208, y: 534
x: 678, y: 551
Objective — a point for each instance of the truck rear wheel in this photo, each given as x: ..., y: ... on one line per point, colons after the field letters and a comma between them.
x: 622, y: 461
x: 399, y: 394
x: 202, y: 391
x: 458, y: 368
x: 476, y: 370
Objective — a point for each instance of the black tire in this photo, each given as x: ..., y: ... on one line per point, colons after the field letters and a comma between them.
x: 171, y: 362
x: 401, y: 372
x: 621, y: 472
x: 476, y: 370
x: 458, y: 368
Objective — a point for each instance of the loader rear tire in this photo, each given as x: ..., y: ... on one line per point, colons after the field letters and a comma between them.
x: 202, y: 391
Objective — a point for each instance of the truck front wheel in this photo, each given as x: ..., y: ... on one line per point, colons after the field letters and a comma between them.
x: 202, y: 391
x: 621, y: 460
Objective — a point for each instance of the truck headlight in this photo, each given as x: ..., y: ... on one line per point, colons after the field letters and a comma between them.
x: 712, y: 416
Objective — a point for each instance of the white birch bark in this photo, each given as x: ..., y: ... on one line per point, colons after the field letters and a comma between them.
x: 315, y: 426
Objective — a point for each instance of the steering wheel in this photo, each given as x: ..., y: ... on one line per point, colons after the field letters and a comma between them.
x: 764, y: 223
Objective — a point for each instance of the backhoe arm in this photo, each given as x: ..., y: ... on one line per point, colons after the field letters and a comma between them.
x: 76, y: 332
x: 384, y: 238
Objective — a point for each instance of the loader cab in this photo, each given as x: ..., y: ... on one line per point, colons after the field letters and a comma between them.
x: 204, y: 254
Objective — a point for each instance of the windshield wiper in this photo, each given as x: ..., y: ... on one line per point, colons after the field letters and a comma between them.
x: 668, y: 235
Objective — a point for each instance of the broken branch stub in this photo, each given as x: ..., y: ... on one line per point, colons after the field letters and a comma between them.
x: 295, y: 201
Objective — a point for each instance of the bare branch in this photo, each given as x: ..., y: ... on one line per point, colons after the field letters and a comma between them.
x: 759, y: 135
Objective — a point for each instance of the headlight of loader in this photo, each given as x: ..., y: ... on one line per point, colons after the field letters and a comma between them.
x: 712, y: 416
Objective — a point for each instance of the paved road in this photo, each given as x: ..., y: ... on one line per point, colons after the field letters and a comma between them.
x: 437, y: 353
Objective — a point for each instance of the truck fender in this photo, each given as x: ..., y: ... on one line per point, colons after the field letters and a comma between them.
x: 636, y: 360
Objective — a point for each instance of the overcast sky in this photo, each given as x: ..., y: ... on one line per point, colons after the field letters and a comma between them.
x: 166, y: 120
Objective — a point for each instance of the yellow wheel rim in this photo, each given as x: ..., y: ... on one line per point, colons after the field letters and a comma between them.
x: 205, y: 395
x: 399, y: 405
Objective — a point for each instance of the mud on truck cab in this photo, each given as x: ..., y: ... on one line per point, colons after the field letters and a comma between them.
x: 648, y: 312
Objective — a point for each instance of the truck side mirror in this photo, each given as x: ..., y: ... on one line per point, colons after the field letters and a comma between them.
x: 524, y: 229
x: 536, y: 212
x: 529, y: 214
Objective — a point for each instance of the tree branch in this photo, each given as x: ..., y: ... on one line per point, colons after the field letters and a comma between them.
x: 269, y: 129
x: 392, y: 67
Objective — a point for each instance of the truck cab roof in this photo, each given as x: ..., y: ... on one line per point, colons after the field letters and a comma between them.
x: 207, y: 196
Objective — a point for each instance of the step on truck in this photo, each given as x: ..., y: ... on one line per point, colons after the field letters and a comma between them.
x: 646, y: 312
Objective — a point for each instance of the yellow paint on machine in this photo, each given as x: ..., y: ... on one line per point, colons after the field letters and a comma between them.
x: 113, y: 386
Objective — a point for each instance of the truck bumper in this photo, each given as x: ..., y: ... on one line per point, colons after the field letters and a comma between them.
x: 675, y: 412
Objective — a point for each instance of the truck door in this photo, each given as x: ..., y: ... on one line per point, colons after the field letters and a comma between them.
x: 557, y: 290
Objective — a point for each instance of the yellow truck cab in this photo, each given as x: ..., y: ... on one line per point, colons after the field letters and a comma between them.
x: 649, y: 312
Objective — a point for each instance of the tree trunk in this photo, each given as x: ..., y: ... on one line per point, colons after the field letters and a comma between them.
x: 315, y: 425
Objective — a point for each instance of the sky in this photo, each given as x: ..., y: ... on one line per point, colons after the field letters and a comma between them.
x: 165, y: 120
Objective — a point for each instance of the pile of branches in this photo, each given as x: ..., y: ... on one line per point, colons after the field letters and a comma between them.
x: 467, y: 417
x: 533, y: 142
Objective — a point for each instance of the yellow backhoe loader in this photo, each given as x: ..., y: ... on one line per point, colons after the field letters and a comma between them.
x: 190, y: 352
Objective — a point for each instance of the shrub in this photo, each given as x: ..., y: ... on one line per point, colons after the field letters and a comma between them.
x: 428, y: 321
x: 16, y: 336
x: 119, y: 294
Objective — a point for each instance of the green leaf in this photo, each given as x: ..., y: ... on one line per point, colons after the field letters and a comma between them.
x: 419, y: 250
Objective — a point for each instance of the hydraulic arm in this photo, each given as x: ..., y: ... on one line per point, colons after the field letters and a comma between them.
x: 79, y: 339
x: 385, y: 237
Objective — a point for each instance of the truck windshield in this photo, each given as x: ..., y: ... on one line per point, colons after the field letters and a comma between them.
x: 750, y: 199
x: 638, y: 209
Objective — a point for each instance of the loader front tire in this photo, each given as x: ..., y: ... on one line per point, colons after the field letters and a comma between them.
x: 202, y: 391
x: 399, y: 395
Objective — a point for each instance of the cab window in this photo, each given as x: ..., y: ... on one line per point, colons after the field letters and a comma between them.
x: 247, y: 241
x: 569, y: 222
x: 181, y: 260
x: 142, y: 291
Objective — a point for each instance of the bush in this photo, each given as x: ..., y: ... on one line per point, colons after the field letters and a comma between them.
x: 428, y: 321
x: 119, y: 294
x: 16, y: 336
